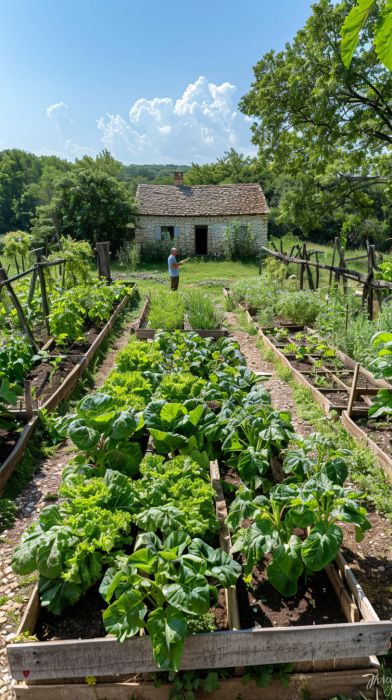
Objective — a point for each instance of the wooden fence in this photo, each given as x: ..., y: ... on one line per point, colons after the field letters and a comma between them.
x: 302, y: 256
x: 37, y: 274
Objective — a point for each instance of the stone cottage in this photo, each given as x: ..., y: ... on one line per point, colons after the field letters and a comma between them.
x: 196, y: 217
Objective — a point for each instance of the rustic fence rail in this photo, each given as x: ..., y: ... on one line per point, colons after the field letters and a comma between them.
x: 337, y: 273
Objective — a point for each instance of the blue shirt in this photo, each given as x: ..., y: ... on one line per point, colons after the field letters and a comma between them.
x: 173, y: 271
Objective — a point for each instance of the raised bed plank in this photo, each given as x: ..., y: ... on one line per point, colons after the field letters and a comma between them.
x: 86, y: 657
x: 8, y: 466
x: 357, y: 432
x: 315, y: 686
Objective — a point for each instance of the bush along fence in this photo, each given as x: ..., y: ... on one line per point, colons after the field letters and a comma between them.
x: 34, y: 378
x: 336, y: 381
x: 300, y: 255
x: 149, y: 514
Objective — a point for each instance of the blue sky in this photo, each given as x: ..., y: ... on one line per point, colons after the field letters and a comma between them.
x: 153, y: 81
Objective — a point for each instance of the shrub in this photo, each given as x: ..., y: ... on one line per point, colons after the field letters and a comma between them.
x: 155, y: 251
x: 299, y: 307
x: 239, y: 242
x: 129, y: 255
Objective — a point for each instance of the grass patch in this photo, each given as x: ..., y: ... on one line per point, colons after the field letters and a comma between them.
x: 3, y: 600
x: 26, y: 581
x: 51, y: 497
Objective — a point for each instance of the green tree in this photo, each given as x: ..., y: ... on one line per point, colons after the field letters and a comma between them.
x: 356, y: 21
x: 323, y: 131
x: 16, y: 245
x: 87, y: 204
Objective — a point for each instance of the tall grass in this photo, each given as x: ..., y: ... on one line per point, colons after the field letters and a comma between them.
x: 202, y: 312
x: 166, y: 310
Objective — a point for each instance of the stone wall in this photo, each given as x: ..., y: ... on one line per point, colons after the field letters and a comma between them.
x: 185, y: 241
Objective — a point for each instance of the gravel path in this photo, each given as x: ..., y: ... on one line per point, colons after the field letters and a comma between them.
x: 15, y: 590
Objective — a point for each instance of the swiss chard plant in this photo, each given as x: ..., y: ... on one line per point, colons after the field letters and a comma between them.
x: 181, y: 428
x: 102, y: 433
x: 160, y: 586
x: 251, y: 437
x: 318, y: 505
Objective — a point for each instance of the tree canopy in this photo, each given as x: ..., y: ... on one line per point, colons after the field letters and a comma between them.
x: 321, y: 130
x: 87, y: 204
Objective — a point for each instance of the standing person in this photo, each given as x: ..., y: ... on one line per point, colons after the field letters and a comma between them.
x: 173, y: 267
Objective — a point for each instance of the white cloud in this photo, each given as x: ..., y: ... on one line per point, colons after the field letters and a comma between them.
x: 75, y: 151
x: 59, y: 114
x: 198, y: 126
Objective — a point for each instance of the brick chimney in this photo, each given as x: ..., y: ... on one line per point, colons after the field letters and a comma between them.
x: 178, y: 178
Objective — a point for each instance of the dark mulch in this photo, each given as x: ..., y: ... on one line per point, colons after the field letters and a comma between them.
x: 314, y: 604
x: 8, y: 441
x: 380, y: 431
x: 84, y: 619
x: 47, y: 378
x: 80, y: 621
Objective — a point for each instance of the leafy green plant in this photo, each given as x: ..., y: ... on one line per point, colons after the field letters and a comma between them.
x: 139, y: 357
x: 251, y: 437
x: 69, y: 551
x: 160, y: 585
x: 382, y: 404
x: 182, y: 483
x: 128, y: 390
x: 318, y: 504
x: 102, y: 434
x: 181, y: 428
x: 179, y: 386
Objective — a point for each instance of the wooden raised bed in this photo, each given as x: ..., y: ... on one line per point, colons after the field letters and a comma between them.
x: 349, y: 424
x: 61, y: 394
x: 143, y: 333
x: 357, y: 432
x: 328, y: 658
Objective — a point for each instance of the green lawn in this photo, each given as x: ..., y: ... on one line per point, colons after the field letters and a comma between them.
x: 211, y: 275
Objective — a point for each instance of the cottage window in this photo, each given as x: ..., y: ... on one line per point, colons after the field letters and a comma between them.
x: 166, y: 233
x: 243, y: 229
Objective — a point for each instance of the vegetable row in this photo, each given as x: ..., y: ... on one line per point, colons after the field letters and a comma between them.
x: 73, y: 311
x: 144, y: 527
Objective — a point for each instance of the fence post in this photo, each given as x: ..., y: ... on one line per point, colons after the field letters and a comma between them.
x: 103, y: 260
x: 317, y: 271
x: 302, y: 267
x: 23, y: 321
x: 342, y: 263
x: 39, y: 253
